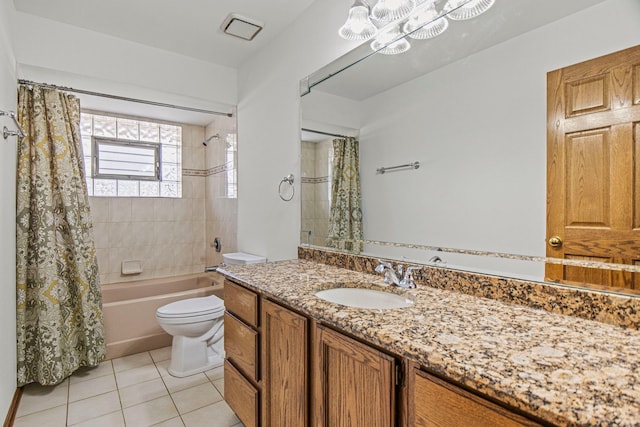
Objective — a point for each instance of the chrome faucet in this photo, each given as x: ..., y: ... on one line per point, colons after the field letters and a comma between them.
x: 407, y: 280
x: 392, y: 277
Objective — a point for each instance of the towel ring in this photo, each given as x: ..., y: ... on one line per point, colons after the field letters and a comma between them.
x: 289, y: 180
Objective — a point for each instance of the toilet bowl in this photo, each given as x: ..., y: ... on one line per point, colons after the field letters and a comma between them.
x: 196, y: 325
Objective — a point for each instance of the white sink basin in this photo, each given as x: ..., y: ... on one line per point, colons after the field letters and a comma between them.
x: 363, y: 298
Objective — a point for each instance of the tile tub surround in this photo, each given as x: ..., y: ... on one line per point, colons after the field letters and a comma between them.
x: 171, y: 236
x: 615, y: 309
x: 562, y: 369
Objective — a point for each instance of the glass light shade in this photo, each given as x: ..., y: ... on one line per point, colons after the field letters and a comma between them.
x: 391, y: 10
x: 469, y: 10
x: 399, y: 46
x: 422, y: 25
x: 358, y: 25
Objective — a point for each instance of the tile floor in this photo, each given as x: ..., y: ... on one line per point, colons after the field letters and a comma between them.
x: 132, y: 391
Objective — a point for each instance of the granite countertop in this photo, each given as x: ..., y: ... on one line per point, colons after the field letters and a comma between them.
x: 565, y: 370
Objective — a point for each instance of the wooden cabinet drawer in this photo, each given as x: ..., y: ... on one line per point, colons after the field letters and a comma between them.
x: 241, y: 396
x: 242, y: 302
x: 438, y: 403
x: 241, y: 346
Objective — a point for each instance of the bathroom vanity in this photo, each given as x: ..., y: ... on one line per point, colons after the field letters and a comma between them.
x: 447, y: 359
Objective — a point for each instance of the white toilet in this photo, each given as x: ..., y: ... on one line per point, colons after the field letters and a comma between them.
x: 198, y: 334
x: 196, y: 325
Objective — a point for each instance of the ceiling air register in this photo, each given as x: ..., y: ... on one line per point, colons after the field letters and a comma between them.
x: 241, y: 26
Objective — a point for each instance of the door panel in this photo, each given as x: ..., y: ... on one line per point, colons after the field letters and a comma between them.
x: 593, y: 156
x: 588, y: 96
x: 588, y: 182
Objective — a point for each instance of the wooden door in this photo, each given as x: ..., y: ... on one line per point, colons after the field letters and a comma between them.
x: 284, y: 367
x: 354, y: 384
x: 593, y: 175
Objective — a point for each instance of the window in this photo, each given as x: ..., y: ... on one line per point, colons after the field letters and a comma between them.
x: 131, y: 158
x: 230, y: 167
x: 119, y: 158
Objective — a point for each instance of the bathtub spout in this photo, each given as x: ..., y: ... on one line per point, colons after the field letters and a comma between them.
x: 211, y: 269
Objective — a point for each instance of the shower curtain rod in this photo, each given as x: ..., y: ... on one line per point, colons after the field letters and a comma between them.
x: 124, y: 98
x: 319, y: 132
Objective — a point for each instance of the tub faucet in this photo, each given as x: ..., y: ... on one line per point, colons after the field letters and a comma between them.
x: 392, y: 277
x: 211, y: 269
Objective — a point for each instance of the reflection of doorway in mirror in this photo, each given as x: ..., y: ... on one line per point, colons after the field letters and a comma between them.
x: 316, y: 191
x: 593, y: 174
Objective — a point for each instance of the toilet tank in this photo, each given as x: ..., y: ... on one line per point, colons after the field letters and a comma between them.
x: 240, y: 258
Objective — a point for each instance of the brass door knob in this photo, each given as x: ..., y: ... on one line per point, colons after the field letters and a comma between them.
x: 555, y: 242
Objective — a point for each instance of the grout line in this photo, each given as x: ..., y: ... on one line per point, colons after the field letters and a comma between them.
x: 168, y: 392
x: 66, y: 417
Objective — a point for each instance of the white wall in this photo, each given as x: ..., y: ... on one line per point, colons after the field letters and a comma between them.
x: 330, y: 113
x: 478, y: 127
x: 269, y: 127
x: 7, y: 212
x: 76, y: 57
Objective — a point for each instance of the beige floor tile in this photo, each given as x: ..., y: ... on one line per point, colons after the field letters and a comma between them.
x: 151, y: 412
x: 136, y: 375
x: 175, y: 384
x: 161, y: 354
x: 93, y: 387
x: 143, y: 392
x: 52, y: 417
x: 238, y: 425
x: 36, y: 397
x: 219, y: 415
x: 113, y: 419
x: 173, y: 422
x: 219, y: 385
x: 133, y: 361
x: 163, y: 368
x: 215, y: 373
x: 85, y: 373
x: 196, y: 397
x: 93, y: 407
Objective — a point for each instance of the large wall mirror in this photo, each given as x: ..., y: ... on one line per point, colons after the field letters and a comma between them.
x: 471, y: 107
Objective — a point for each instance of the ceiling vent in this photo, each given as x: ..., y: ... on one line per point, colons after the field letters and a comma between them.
x: 241, y: 27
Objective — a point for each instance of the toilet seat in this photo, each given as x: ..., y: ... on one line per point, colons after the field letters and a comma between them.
x: 192, y: 309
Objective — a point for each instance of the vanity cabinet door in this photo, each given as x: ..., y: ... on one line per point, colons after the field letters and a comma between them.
x: 284, y: 366
x: 241, y: 396
x: 353, y: 384
x: 437, y: 403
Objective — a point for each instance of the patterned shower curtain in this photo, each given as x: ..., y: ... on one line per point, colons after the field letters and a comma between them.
x: 59, y: 302
x: 345, y: 215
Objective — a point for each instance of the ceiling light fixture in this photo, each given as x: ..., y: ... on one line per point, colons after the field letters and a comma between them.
x: 464, y: 9
x: 358, y: 25
x: 390, y: 21
x: 385, y: 43
x: 425, y: 23
x: 392, y: 10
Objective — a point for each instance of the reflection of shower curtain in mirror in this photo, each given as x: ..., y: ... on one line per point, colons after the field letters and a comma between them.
x: 345, y: 215
x: 59, y: 302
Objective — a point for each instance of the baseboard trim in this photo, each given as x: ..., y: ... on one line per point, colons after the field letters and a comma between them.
x: 13, y: 409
